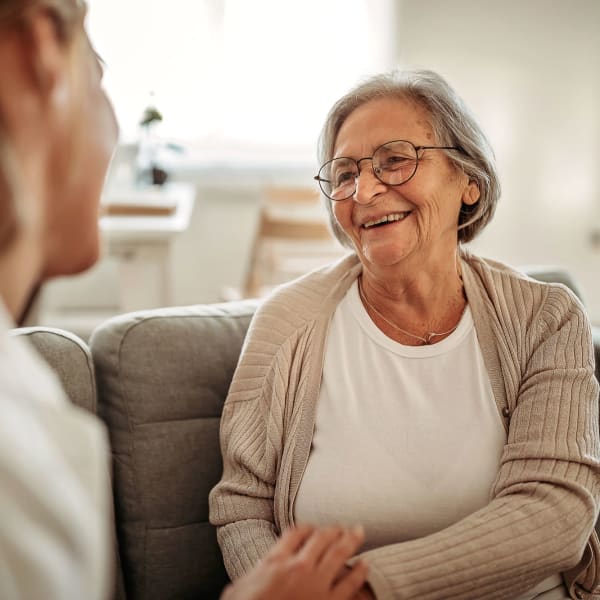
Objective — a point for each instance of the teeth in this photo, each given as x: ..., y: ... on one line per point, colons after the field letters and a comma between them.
x: 387, y: 219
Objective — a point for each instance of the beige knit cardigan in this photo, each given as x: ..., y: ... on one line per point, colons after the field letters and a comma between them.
x: 536, y: 343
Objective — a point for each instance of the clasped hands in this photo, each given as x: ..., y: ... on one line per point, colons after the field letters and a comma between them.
x: 307, y: 564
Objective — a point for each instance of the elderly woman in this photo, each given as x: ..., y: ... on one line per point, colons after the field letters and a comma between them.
x: 444, y: 401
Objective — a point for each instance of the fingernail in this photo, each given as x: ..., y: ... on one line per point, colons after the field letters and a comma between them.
x: 358, y: 530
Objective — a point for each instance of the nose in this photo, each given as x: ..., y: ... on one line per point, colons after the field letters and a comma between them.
x: 367, y: 185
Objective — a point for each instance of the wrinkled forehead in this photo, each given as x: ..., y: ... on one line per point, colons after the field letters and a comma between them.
x: 379, y: 121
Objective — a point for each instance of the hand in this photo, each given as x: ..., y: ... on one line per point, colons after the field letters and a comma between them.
x: 305, y: 564
x: 365, y: 592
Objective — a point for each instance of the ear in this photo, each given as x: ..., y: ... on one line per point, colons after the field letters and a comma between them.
x: 471, y: 193
x: 48, y: 52
x: 44, y: 53
x: 33, y: 62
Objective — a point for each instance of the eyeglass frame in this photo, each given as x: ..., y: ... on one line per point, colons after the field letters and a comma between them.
x: 318, y: 178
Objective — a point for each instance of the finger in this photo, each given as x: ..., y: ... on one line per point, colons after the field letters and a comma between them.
x: 351, y: 582
x: 290, y: 542
x: 228, y: 593
x: 318, y: 544
x: 340, y: 551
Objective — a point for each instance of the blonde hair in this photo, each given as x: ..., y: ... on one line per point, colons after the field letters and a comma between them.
x: 68, y: 14
x: 68, y: 17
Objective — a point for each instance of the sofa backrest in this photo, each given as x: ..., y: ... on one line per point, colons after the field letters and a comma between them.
x: 162, y: 378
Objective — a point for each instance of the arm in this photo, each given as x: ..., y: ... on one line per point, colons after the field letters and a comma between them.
x: 241, y: 505
x: 545, y: 498
x: 54, y: 503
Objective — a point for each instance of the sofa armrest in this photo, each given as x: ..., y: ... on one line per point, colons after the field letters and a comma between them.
x: 70, y: 358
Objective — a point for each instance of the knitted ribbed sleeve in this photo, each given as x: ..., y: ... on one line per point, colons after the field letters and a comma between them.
x: 536, y: 343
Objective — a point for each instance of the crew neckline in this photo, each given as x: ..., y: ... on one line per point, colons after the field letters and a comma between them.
x: 362, y: 317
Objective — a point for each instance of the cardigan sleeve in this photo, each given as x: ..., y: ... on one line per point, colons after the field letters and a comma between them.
x: 242, y: 503
x: 545, y: 499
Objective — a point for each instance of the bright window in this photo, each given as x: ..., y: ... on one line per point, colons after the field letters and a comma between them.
x: 238, y: 76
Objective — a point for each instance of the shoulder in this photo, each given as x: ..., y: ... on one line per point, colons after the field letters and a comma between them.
x: 520, y: 306
x: 316, y: 294
x: 35, y: 406
x: 504, y: 285
x: 25, y: 376
x: 284, y: 320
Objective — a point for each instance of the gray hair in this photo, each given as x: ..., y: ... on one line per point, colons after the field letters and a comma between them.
x: 453, y: 124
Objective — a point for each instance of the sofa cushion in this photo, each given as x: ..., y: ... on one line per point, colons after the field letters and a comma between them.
x: 162, y: 378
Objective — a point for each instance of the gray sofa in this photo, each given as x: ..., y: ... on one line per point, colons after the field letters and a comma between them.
x: 158, y: 379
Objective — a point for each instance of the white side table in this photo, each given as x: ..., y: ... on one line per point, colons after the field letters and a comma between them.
x: 142, y: 244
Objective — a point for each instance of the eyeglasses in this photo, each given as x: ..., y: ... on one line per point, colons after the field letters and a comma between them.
x: 394, y: 163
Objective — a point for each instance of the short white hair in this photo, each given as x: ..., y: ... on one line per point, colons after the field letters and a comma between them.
x: 452, y: 123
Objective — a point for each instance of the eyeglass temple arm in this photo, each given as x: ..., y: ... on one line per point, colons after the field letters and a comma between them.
x: 438, y: 148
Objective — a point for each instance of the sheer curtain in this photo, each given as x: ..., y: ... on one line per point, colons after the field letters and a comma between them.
x: 253, y: 79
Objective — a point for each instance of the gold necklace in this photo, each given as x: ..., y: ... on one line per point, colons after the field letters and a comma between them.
x: 427, y: 340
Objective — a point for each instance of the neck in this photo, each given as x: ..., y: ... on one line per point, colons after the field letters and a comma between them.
x: 410, y: 303
x: 420, y: 284
x: 19, y: 277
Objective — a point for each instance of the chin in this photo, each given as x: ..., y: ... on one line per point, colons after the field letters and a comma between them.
x: 384, y: 257
x: 72, y: 263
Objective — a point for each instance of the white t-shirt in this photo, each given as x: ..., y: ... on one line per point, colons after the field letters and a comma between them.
x: 54, y: 485
x: 407, y: 439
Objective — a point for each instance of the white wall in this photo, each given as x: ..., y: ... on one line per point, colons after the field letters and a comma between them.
x: 531, y: 72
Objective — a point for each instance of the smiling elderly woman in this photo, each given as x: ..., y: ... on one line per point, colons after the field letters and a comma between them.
x: 444, y: 401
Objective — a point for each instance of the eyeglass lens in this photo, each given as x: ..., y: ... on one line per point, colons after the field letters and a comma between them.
x: 393, y: 163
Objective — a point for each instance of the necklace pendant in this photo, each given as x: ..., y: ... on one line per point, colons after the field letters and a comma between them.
x: 428, y: 338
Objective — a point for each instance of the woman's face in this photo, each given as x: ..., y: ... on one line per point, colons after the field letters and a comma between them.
x: 427, y: 205
x: 84, y: 145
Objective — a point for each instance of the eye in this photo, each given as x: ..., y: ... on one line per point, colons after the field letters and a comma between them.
x: 391, y: 162
x: 343, y: 172
x: 344, y: 177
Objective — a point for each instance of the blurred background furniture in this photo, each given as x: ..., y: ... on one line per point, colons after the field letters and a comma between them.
x: 139, y: 227
x: 292, y: 237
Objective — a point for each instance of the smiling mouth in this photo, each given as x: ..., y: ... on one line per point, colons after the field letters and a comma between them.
x: 391, y: 218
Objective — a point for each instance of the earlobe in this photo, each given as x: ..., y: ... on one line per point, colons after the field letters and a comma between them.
x: 471, y: 193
